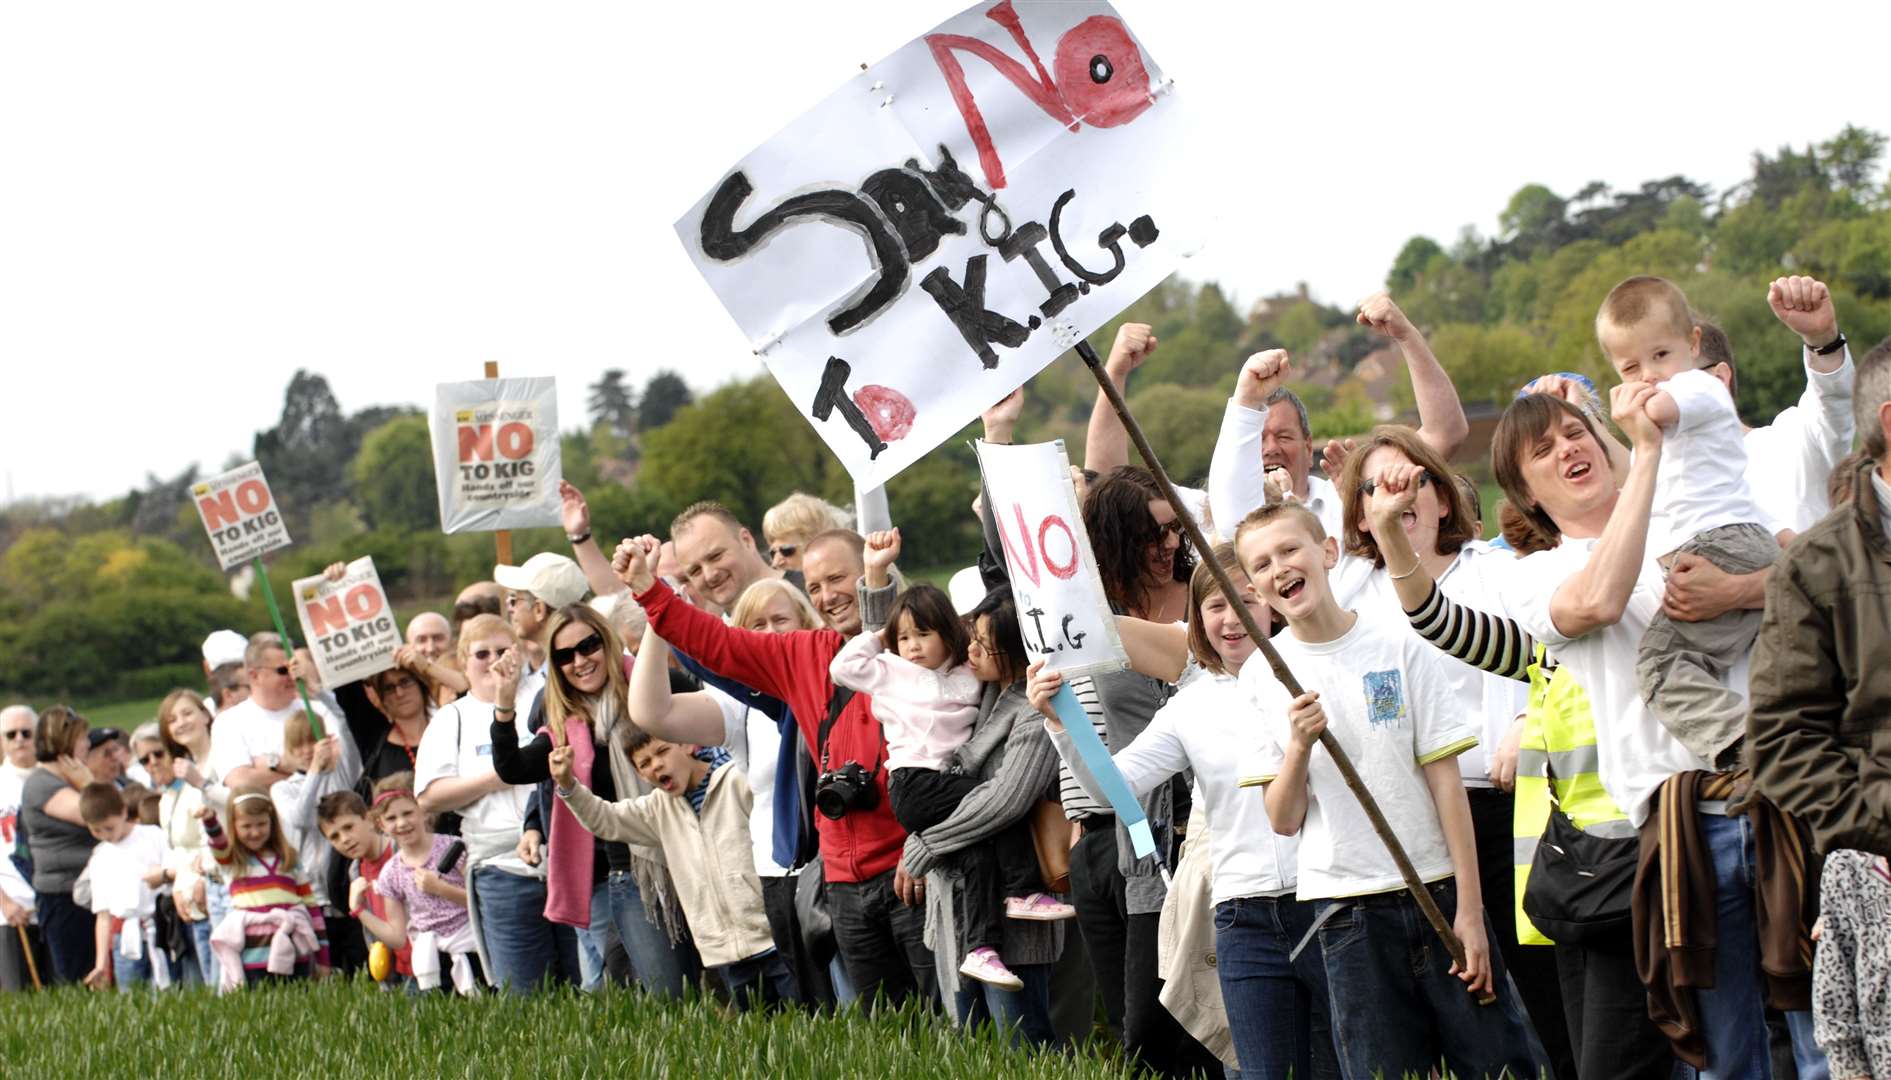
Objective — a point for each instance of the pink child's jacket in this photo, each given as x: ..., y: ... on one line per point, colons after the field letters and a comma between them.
x: 926, y: 714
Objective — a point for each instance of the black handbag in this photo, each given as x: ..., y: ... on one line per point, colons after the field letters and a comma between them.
x: 1580, y: 884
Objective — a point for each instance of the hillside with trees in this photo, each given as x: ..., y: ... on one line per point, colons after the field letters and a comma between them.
x: 107, y: 600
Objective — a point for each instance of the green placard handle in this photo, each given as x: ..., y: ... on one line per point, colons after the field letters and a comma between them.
x: 288, y: 645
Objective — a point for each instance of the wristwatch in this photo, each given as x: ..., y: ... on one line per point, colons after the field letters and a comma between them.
x: 1828, y: 349
x: 580, y: 538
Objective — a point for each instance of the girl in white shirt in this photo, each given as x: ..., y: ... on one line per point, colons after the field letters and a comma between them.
x: 1276, y: 1002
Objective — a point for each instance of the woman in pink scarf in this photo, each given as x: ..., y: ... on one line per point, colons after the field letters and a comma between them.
x: 592, y: 885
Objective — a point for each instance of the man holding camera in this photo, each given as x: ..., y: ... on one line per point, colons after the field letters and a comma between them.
x: 879, y: 922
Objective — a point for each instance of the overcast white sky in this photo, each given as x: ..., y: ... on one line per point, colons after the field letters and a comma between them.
x: 198, y: 198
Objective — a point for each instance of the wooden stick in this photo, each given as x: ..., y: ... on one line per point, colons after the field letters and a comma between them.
x: 32, y: 965
x: 1346, y: 771
x: 502, y: 539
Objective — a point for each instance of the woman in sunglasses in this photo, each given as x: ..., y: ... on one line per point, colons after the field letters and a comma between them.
x: 791, y: 523
x: 593, y: 885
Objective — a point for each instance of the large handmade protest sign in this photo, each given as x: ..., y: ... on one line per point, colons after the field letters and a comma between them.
x: 240, y: 514
x: 348, y: 624
x: 1062, y: 610
x: 942, y: 227
x: 495, y: 454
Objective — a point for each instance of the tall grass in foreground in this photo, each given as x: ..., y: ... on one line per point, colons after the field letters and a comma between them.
x: 347, y: 1030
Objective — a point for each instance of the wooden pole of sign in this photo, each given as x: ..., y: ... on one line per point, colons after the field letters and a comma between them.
x: 502, y: 540
x: 1340, y: 760
x: 288, y: 644
x: 32, y: 963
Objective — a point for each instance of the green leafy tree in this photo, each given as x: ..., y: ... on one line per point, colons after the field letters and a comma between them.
x: 613, y: 405
x: 665, y: 393
x: 744, y: 445
x: 393, y: 476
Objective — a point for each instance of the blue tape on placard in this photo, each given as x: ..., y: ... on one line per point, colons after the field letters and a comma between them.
x: 1103, y: 768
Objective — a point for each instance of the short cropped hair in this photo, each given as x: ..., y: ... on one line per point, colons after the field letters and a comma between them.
x: 1869, y: 394
x: 1643, y: 297
x: 260, y: 643
x: 847, y: 538
x: 1716, y: 349
x: 1281, y: 394
x: 705, y: 508
x: 1271, y: 512
x: 340, y: 804
x: 99, y: 803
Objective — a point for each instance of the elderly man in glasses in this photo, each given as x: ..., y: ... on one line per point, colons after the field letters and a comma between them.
x: 246, y: 742
x: 16, y: 893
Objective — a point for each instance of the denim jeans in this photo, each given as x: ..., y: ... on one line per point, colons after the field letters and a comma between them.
x: 1733, y: 1012
x: 1397, y: 1009
x: 594, y: 941
x: 1277, y: 1007
x: 1024, y: 1014
x: 217, y: 903
x: 524, y: 947
x: 882, y: 941
x: 129, y: 973
x: 764, y: 981
x: 661, y: 965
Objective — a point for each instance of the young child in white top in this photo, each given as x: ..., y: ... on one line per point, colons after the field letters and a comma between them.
x: 1383, y: 696
x: 926, y: 697
x: 126, y: 872
x: 1702, y: 506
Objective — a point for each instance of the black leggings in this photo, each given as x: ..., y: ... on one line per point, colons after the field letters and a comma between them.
x: 922, y: 798
x: 67, y: 930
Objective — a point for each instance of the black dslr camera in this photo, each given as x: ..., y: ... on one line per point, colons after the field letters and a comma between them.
x: 849, y: 787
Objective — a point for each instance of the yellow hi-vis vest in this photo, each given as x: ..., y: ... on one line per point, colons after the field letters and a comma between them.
x: 1558, y: 734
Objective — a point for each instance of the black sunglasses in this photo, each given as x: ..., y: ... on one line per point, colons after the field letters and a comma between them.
x: 148, y: 757
x: 784, y: 551
x: 283, y: 670
x: 588, y: 647
x: 20, y: 733
x: 483, y: 655
x: 1367, y: 487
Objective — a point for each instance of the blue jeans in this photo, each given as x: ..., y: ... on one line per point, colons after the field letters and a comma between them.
x: 128, y: 973
x: 525, y: 948
x: 1396, y: 1007
x: 217, y: 902
x: 1733, y: 1011
x: 662, y: 966
x: 764, y: 981
x: 1277, y: 1007
x: 1025, y: 1012
x: 200, y: 948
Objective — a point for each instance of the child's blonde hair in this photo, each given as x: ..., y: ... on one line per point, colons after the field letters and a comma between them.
x: 1643, y: 297
x: 390, y: 788
x: 255, y: 802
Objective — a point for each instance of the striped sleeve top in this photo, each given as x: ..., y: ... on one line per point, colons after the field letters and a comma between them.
x: 263, y: 884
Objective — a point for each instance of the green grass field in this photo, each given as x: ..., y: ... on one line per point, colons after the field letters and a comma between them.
x: 123, y: 715
x: 350, y: 1030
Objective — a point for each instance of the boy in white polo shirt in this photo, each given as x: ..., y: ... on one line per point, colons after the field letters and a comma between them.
x: 1702, y: 507
x: 1399, y: 1003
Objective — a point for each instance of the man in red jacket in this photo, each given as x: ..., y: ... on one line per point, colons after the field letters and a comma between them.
x: 879, y: 924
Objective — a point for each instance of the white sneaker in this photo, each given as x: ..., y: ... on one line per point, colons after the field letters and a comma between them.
x: 983, y: 964
x: 1038, y: 907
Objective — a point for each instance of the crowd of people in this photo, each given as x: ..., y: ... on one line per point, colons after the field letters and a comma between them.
x: 1635, y: 751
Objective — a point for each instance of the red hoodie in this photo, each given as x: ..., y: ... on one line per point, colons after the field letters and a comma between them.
x: 863, y: 844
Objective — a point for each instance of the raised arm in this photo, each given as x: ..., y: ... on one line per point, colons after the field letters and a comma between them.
x: 688, y: 718
x: 1441, y: 421
x: 1106, y: 445
x: 626, y: 821
x: 763, y: 662
x: 1237, y: 484
x: 575, y: 514
x: 1597, y: 595
x: 1158, y: 650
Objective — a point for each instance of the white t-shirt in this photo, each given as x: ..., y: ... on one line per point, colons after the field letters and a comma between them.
x: 12, y: 793
x: 1196, y: 729
x: 117, y: 873
x: 458, y: 743
x: 1476, y: 578
x: 1790, y: 460
x: 754, y: 742
x: 1237, y: 484
x: 1634, y: 751
x: 1388, y: 701
x: 1702, y: 482
x: 246, y: 731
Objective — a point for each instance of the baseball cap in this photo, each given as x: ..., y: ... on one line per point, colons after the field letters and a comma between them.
x: 224, y: 647
x: 99, y: 736
x: 554, y: 579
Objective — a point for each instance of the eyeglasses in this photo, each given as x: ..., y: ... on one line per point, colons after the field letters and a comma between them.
x: 983, y: 646
x: 483, y: 655
x: 283, y: 670
x: 405, y: 683
x: 19, y: 733
x: 150, y: 756
x: 783, y: 551
x: 588, y: 647
x: 1367, y: 487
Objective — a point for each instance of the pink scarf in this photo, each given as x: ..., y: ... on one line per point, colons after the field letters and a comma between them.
x: 572, y: 853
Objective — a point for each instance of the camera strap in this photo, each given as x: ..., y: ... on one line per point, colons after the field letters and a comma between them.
x: 835, y: 705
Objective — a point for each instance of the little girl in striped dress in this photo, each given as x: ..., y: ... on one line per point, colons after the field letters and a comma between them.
x: 274, y: 929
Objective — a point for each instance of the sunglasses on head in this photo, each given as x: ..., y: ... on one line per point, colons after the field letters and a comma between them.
x: 588, y: 647
x: 483, y: 655
x: 783, y: 551
x: 1367, y: 487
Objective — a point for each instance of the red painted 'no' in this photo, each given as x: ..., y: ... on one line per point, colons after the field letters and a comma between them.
x: 333, y: 614
x: 1027, y: 563
x: 231, y: 505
